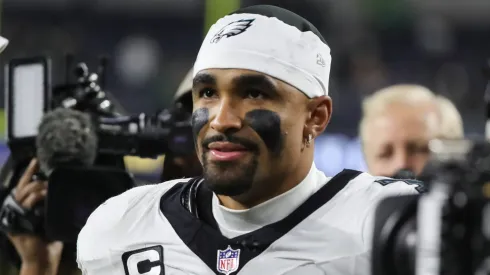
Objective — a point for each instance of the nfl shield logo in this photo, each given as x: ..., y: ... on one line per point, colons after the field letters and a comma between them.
x: 228, y: 260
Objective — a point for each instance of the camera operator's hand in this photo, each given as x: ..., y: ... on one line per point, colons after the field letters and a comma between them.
x: 38, y: 256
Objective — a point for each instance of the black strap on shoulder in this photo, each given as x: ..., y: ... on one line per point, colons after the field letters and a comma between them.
x: 204, y: 203
x: 197, y: 199
x: 189, y: 194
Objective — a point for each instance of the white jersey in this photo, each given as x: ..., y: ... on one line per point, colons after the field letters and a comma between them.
x: 156, y: 230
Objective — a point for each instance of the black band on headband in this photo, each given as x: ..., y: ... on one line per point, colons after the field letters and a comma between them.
x: 288, y: 17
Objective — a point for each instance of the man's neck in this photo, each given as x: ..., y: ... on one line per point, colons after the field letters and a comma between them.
x: 236, y: 222
x: 267, y: 189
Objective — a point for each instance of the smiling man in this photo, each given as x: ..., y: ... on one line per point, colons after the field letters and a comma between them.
x: 260, y: 96
x: 250, y: 138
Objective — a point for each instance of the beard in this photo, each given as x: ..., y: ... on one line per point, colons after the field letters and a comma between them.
x: 230, y: 178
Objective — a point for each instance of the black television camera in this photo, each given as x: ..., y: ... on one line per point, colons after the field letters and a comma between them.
x: 75, y: 190
x: 143, y: 135
x: 445, y: 231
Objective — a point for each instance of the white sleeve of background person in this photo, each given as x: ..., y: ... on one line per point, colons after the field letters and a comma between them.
x: 106, y: 225
x: 270, y: 46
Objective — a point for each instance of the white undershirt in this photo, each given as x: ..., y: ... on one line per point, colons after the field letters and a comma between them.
x: 233, y: 223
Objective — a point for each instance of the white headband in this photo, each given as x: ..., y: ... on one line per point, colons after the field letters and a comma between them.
x: 270, y: 46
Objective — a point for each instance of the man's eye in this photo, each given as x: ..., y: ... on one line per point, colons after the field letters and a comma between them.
x: 255, y: 94
x: 384, y: 155
x: 207, y: 93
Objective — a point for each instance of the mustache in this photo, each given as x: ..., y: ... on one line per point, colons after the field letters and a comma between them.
x: 249, y: 145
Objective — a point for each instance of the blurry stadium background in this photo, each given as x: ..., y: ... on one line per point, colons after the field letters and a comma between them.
x: 152, y: 43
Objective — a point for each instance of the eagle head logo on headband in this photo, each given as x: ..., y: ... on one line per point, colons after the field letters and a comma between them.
x: 232, y: 29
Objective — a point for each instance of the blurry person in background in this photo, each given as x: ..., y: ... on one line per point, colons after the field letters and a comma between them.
x: 397, y: 124
x: 34, y: 254
x: 185, y: 165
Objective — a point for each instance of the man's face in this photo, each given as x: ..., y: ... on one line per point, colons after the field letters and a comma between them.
x: 249, y: 129
x: 397, y: 138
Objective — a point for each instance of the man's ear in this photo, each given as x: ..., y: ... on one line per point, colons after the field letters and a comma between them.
x: 320, y: 110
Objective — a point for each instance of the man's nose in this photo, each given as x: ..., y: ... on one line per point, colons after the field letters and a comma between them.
x: 226, y: 118
x: 401, y: 161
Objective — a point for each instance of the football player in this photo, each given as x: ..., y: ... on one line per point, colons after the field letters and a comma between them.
x: 260, y: 97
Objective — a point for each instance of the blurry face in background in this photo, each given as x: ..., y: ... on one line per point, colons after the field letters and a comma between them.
x: 397, y: 138
x: 249, y: 129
